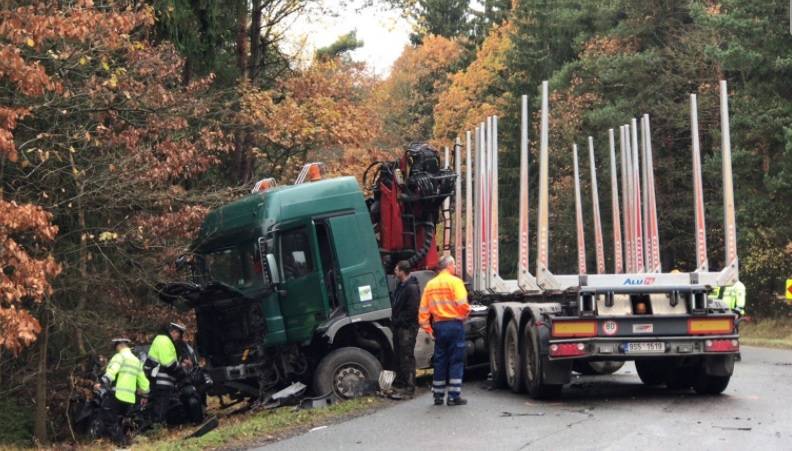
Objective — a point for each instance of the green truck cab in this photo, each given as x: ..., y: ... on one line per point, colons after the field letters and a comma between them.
x: 288, y: 286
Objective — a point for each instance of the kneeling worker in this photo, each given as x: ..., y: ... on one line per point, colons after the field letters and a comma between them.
x: 124, y: 376
x: 443, y: 310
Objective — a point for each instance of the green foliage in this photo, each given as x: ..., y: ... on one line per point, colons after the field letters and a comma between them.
x: 447, y: 18
x: 17, y: 423
x: 341, y: 47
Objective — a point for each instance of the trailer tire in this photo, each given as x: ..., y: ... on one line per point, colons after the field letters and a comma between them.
x: 710, y: 385
x: 597, y: 367
x: 345, y: 371
x: 512, y: 358
x: 532, y: 367
x: 651, y: 372
x: 495, y: 356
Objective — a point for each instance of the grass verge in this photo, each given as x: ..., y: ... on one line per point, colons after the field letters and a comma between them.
x: 262, y: 427
x: 771, y: 333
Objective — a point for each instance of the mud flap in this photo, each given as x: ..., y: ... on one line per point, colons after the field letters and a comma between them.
x: 720, y: 365
x: 556, y: 372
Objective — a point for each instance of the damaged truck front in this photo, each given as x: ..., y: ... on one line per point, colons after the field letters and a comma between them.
x: 287, y: 286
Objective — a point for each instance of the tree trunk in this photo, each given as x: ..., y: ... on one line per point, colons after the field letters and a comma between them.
x: 255, y: 40
x: 82, y: 257
x: 242, y: 41
x: 40, y: 427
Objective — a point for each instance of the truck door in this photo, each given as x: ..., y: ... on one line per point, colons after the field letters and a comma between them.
x: 363, y: 284
x: 304, y: 302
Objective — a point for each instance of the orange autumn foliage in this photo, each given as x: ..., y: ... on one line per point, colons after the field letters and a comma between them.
x: 478, y: 91
x: 30, y: 37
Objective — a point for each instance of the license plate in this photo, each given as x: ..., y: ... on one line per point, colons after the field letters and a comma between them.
x: 646, y: 347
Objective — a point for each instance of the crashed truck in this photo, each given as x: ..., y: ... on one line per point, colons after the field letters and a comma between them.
x: 289, y: 283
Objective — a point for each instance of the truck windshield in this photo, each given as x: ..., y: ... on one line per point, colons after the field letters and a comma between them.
x: 238, y: 266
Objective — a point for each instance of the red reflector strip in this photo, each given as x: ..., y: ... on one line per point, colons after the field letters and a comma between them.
x: 574, y: 328
x: 567, y: 349
x: 721, y: 345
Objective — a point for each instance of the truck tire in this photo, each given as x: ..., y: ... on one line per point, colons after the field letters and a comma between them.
x: 495, y: 356
x: 597, y: 367
x: 512, y: 361
x: 651, y: 372
x: 532, y: 367
x: 345, y: 372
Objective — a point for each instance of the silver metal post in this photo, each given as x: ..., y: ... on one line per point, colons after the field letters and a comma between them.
x: 494, y: 237
x: 698, y: 190
x: 618, y: 255
x: 729, y: 221
x: 458, y: 206
x: 477, y: 207
x: 544, y: 277
x: 628, y: 249
x: 523, y: 271
x: 639, y: 245
x: 469, y: 253
x: 654, y: 232
x: 648, y: 263
x: 581, y: 238
x: 599, y: 248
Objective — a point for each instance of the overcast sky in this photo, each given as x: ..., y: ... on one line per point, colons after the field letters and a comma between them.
x: 385, y: 33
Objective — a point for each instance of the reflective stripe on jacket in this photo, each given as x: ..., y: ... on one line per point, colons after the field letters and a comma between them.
x: 444, y: 298
x: 163, y: 352
x: 127, y: 372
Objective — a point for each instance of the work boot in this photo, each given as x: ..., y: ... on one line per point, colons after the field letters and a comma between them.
x: 438, y: 401
x: 457, y: 401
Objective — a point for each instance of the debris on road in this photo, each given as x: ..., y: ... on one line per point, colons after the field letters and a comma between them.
x: 524, y: 414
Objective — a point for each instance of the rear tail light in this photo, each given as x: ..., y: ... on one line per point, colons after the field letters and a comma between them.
x: 710, y: 326
x: 567, y: 349
x: 574, y: 328
x: 721, y: 345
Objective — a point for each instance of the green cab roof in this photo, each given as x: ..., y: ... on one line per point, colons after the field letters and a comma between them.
x: 251, y: 216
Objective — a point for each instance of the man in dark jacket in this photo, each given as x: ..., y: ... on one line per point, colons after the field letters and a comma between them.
x: 406, y: 299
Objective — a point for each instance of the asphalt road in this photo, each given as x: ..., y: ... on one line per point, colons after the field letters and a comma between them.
x: 605, y: 412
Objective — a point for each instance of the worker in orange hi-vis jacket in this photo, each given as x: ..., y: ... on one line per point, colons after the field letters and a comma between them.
x: 443, y: 310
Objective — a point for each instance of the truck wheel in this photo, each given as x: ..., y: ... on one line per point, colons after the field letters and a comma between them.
x: 651, y: 372
x: 532, y: 367
x: 512, y: 364
x: 710, y: 385
x: 597, y: 367
x: 346, y: 372
x: 495, y: 357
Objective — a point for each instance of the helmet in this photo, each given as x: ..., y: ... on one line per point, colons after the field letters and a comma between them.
x: 177, y: 326
x: 121, y: 340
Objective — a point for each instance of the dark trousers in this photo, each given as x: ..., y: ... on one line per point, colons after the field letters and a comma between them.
x: 113, y: 412
x: 449, y: 358
x: 404, y: 341
x: 160, y: 401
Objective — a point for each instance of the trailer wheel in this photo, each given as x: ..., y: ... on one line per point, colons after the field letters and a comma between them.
x: 511, y: 358
x: 597, y: 367
x: 681, y: 377
x: 651, y: 372
x: 710, y: 385
x: 532, y: 367
x: 345, y: 372
x: 495, y: 356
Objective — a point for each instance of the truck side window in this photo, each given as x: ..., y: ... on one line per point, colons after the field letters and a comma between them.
x: 295, y: 253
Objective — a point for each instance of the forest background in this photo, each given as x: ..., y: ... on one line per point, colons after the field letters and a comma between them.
x: 123, y: 122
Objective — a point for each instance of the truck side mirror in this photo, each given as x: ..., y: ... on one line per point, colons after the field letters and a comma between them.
x: 269, y: 265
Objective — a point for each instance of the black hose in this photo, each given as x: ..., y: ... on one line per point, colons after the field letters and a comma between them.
x: 428, y: 238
